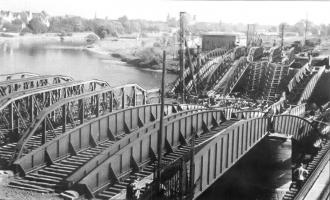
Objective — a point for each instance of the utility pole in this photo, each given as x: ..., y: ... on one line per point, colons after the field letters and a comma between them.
x: 161, y: 124
x: 282, y: 34
x: 247, y: 35
x: 192, y: 163
x: 191, y: 67
x: 250, y: 33
x: 306, y: 27
x: 182, y: 55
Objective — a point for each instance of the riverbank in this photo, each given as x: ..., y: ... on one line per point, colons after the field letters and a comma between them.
x: 76, y: 39
x: 127, y: 50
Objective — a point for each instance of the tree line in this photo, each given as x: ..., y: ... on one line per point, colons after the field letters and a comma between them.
x: 123, y: 25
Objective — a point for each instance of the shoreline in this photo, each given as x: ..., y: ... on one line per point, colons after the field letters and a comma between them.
x: 120, y: 49
x: 100, y: 48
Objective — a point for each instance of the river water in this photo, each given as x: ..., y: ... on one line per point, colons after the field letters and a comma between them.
x: 50, y: 58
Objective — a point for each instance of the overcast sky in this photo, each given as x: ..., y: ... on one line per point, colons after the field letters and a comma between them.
x: 212, y: 11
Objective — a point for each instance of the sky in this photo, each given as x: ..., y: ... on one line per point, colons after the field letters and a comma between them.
x: 261, y: 12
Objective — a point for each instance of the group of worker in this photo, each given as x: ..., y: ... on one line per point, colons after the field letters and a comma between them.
x: 132, y: 190
x: 299, y: 172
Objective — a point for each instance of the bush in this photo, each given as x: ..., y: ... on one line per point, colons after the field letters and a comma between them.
x: 102, y: 32
x: 157, y: 44
x: 91, y: 38
x: 150, y: 56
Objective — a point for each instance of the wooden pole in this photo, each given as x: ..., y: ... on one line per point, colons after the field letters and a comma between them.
x: 191, y: 68
x: 282, y: 35
x: 161, y: 124
x: 182, y: 56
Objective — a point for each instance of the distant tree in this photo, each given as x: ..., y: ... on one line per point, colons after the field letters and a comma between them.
x: 171, y: 21
x: 91, y: 38
x: 10, y: 27
x: 37, y: 26
x: 123, y: 19
x: 101, y: 32
x: 299, y: 27
x: 272, y: 29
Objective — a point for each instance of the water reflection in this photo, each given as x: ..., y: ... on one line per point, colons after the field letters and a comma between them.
x: 43, y: 58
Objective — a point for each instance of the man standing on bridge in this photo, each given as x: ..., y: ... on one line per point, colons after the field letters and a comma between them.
x: 300, y: 174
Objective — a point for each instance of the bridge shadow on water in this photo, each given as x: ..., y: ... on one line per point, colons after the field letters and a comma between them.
x: 256, y: 176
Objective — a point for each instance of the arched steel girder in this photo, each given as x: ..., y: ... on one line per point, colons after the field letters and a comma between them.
x: 247, y: 114
x: 137, y: 148
x: 224, y: 149
x: 19, y: 75
x: 297, y: 78
x: 215, y: 74
x: 212, y: 158
x: 66, y: 114
x: 9, y: 86
x: 110, y: 126
x: 308, y: 90
x: 143, y: 147
x: 19, y: 109
x: 296, y: 127
x: 227, y: 87
x: 218, y: 72
x: 205, y: 65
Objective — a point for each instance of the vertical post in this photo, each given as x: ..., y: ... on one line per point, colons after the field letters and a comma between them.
x: 247, y: 35
x: 182, y: 54
x: 11, y: 116
x: 161, y: 125
x: 63, y: 118
x: 192, y: 164
x: 97, y: 105
x: 44, y: 132
x: 81, y: 111
x: 111, y: 101
x: 31, y: 109
x: 282, y: 35
x: 199, y: 62
x: 306, y: 27
x: 191, y: 67
x: 123, y: 98
x: 134, y: 96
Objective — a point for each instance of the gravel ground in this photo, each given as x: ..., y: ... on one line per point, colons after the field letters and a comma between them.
x: 7, y: 193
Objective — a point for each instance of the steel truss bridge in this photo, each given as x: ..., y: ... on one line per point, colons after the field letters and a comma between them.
x: 58, y: 133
